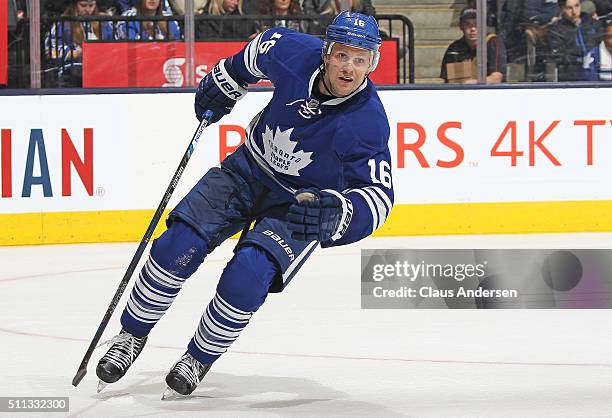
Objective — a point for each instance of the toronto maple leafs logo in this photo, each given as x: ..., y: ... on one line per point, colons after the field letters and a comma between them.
x: 279, y: 152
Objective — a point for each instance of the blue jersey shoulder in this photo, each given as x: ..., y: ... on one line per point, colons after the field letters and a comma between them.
x: 367, y: 122
x: 278, y: 53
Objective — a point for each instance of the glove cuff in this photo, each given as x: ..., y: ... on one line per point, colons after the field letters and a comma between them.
x: 345, y: 218
x: 226, y: 82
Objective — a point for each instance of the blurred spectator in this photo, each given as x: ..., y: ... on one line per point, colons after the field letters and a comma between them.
x: 148, y: 30
x: 603, y: 7
x: 333, y: 7
x: 122, y: 6
x: 228, y: 29
x: 280, y: 8
x: 540, y: 12
x: 570, y: 39
x: 110, y: 7
x: 517, y: 16
x: 53, y: 7
x: 463, y: 51
x: 598, y: 62
x: 178, y: 6
x: 63, y: 43
x: 491, y: 11
x: 589, y: 8
x: 330, y: 8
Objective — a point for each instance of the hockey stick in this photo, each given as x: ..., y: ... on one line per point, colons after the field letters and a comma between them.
x: 82, y: 371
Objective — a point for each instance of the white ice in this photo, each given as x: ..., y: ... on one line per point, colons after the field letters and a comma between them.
x: 311, y: 351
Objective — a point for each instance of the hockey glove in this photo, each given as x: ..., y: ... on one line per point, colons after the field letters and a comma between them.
x: 219, y: 91
x: 319, y: 215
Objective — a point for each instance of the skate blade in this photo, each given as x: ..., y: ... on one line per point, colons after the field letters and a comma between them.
x: 101, y: 385
x: 171, y: 394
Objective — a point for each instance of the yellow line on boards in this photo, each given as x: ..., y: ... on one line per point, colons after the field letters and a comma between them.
x: 415, y: 219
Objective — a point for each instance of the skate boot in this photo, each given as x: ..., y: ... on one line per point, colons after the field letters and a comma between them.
x: 125, y: 348
x: 184, y: 376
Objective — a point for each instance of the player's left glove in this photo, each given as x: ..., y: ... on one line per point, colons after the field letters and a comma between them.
x: 319, y: 215
x: 219, y: 91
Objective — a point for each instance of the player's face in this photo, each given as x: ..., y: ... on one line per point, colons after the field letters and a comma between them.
x: 572, y: 10
x: 85, y: 7
x: 346, y: 68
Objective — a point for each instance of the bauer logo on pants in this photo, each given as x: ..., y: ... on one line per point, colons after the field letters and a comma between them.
x: 280, y: 241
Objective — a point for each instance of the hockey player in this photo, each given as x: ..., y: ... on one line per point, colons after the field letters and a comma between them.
x: 323, y: 136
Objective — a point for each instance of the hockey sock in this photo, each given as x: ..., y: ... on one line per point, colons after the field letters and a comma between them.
x: 242, y: 289
x: 174, y: 257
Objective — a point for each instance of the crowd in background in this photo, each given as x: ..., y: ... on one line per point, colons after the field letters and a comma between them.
x: 545, y: 40
x: 64, y: 39
x: 548, y: 40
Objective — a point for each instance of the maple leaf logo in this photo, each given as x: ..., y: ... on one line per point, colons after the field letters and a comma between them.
x: 279, y: 152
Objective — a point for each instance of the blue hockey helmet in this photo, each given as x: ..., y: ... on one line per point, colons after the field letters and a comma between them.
x: 356, y: 30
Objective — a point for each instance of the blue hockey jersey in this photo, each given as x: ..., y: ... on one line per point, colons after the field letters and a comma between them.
x: 298, y: 142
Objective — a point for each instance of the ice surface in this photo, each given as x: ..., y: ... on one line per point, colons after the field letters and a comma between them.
x: 310, y: 351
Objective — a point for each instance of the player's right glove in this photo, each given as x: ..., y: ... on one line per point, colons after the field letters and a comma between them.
x: 219, y: 91
x: 319, y: 215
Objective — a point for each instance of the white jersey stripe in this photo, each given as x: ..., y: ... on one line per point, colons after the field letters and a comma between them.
x: 298, y: 259
x: 380, y: 206
x: 250, y: 57
x: 383, y: 196
x: 370, y: 204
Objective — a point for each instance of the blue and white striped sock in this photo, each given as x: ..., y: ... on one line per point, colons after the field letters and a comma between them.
x: 219, y: 327
x: 174, y: 257
x: 152, y: 295
x: 242, y: 289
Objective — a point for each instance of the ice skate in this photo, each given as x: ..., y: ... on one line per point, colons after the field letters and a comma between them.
x: 184, y: 376
x: 125, y: 348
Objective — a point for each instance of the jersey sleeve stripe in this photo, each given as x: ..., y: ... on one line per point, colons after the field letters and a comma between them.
x: 380, y: 206
x: 383, y: 196
x: 250, y: 57
x: 370, y: 204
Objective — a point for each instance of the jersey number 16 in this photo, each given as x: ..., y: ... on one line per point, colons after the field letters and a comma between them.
x: 384, y: 172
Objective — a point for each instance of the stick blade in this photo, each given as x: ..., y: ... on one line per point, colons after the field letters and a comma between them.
x: 80, y: 374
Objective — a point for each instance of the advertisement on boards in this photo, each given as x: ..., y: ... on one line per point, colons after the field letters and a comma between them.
x: 162, y: 64
x: 111, y: 152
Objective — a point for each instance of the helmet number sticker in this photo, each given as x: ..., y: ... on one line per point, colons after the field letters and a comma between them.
x: 359, y: 22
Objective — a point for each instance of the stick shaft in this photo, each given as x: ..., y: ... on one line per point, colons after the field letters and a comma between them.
x: 141, y: 247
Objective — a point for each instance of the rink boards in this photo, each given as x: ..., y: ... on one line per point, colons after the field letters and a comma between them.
x: 92, y: 168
